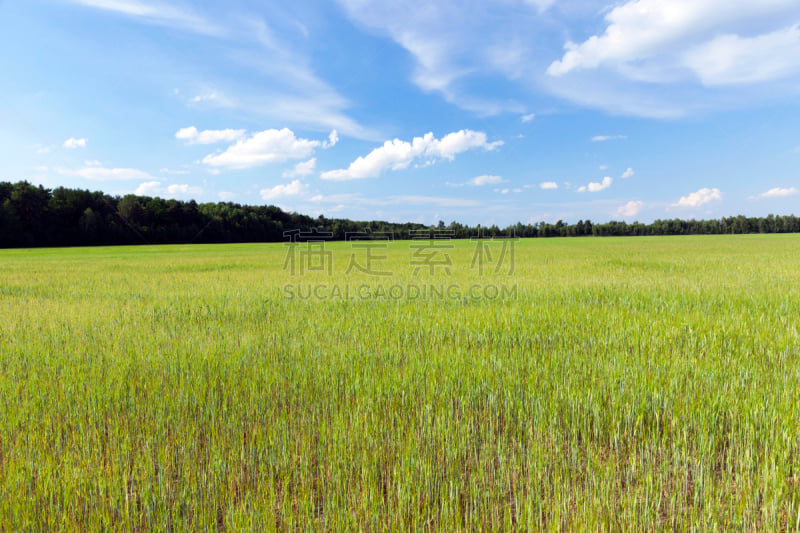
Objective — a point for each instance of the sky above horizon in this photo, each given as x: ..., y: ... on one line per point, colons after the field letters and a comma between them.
x: 491, y: 112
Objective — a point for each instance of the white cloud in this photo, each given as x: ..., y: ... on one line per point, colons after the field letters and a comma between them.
x: 294, y: 95
x: 291, y: 189
x: 548, y: 185
x: 159, y: 13
x: 656, y: 58
x: 333, y: 138
x: 730, y: 59
x: 226, y: 196
x: 777, y: 192
x: 154, y: 188
x: 701, y: 197
x: 192, y: 136
x: 595, y: 186
x: 640, y: 29
x: 541, y: 5
x: 269, y: 146
x: 211, y: 96
x: 180, y: 189
x: 148, y: 188
x: 631, y: 209
x: 304, y: 168
x: 528, y: 118
x: 628, y: 173
x: 451, y: 41
x: 485, y: 180
x: 73, y: 143
x: 95, y: 173
x: 603, y: 138
x: 398, y: 155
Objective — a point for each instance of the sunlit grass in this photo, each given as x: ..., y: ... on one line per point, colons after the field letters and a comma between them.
x: 640, y: 384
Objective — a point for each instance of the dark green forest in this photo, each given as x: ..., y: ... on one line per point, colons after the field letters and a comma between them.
x: 34, y: 216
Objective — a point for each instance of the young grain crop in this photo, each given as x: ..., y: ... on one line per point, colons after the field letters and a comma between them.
x: 643, y: 384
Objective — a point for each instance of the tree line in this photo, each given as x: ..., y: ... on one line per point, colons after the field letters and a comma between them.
x: 34, y: 216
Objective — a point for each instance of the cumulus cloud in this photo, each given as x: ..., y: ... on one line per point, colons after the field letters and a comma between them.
x: 628, y: 173
x: 290, y: 189
x: 154, y: 188
x: 485, y: 180
x: 640, y: 29
x: 548, y: 185
x: 148, y: 188
x: 656, y: 58
x: 630, y: 209
x: 333, y: 138
x: 268, y: 146
x: 183, y: 188
x: 528, y: 117
x: 595, y: 186
x: 777, y: 192
x: 192, y: 136
x: 73, y: 143
x: 303, y: 168
x: 398, y: 155
x: 698, y: 198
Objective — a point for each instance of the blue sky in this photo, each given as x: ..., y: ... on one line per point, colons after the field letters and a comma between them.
x: 481, y: 112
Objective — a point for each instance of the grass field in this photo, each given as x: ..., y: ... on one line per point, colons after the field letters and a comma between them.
x: 604, y: 384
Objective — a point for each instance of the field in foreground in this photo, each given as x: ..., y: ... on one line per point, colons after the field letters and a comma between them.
x: 644, y: 384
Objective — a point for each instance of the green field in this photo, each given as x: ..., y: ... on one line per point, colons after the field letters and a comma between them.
x: 604, y: 384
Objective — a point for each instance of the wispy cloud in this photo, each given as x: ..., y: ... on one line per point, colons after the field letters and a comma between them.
x: 96, y: 173
x: 159, y: 13
x: 629, y: 173
x: 452, y: 42
x: 73, y: 143
x: 604, y: 138
x: 548, y: 185
x: 486, y: 179
x: 296, y: 94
